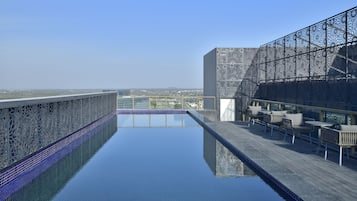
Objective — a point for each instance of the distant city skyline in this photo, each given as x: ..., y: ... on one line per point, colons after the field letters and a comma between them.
x: 137, y: 44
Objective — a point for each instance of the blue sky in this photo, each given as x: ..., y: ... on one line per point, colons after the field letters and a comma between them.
x: 80, y: 44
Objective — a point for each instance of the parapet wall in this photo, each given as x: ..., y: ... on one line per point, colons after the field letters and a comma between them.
x: 30, y: 125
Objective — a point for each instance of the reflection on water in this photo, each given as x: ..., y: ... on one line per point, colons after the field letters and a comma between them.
x: 221, y: 161
x: 54, y: 178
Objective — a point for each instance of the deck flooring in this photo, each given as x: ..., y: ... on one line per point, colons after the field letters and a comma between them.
x: 297, y: 166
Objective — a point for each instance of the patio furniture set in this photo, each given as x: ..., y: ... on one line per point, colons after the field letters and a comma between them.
x: 344, y: 136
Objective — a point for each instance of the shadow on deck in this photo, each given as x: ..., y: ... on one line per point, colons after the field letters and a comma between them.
x: 302, y: 145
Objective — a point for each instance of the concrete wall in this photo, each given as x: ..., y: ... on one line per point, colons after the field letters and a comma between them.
x: 224, y: 71
x: 209, y: 78
x: 29, y: 125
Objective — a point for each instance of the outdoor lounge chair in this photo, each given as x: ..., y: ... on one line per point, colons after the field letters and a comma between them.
x: 273, y: 120
x: 253, y: 113
x: 295, y: 123
x: 344, y: 136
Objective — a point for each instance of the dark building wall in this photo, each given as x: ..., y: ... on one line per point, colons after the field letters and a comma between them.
x: 337, y: 94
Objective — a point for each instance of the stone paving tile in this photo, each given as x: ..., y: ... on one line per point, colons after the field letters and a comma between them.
x: 297, y: 166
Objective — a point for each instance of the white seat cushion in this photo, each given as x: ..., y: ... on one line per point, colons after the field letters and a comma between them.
x: 282, y: 112
x: 348, y: 128
x: 296, y: 119
x: 254, y: 109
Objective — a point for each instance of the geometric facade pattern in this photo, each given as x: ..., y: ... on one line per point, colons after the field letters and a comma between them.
x: 323, y: 51
x: 315, y: 66
x: 28, y: 126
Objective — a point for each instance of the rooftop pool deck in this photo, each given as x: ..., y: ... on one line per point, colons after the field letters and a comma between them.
x: 295, y: 168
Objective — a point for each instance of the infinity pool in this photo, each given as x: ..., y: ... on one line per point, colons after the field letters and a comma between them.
x: 149, y: 157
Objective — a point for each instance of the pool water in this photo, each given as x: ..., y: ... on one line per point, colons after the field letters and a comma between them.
x: 149, y: 157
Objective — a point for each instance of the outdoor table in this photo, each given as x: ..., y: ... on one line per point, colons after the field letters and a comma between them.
x: 318, y: 125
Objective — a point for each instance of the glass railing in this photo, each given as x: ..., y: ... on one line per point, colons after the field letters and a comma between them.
x: 167, y: 102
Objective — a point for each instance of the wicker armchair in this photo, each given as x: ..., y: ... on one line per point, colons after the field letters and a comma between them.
x: 273, y: 119
x: 253, y: 113
x: 295, y: 123
x: 344, y: 136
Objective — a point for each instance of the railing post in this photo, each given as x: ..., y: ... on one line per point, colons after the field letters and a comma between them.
x: 353, y: 119
x: 181, y: 102
x: 197, y: 103
x: 150, y: 103
x: 167, y: 102
x: 133, y: 102
x: 322, y: 115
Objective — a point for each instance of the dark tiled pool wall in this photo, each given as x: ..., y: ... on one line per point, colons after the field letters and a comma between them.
x: 22, y: 173
x: 29, y: 125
